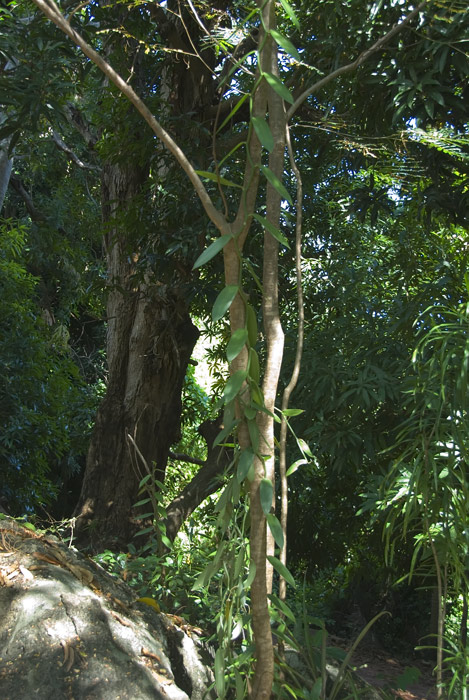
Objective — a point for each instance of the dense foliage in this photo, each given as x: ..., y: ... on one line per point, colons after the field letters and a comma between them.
x: 383, y: 153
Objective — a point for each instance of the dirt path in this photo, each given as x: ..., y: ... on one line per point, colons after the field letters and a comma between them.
x: 382, y: 671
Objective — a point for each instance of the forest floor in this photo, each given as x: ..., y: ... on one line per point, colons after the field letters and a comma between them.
x: 381, y: 670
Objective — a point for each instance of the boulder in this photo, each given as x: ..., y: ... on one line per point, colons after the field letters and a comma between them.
x: 69, y: 630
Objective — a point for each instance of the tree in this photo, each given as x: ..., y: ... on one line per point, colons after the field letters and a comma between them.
x: 246, y: 409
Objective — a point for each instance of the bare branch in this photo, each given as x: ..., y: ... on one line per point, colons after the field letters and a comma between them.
x: 73, y: 157
x: 357, y: 62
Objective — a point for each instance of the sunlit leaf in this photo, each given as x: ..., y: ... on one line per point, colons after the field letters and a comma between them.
x: 273, y: 230
x: 282, y: 570
x: 263, y: 132
x: 236, y: 343
x: 276, y: 184
x: 212, y: 250
x: 279, y: 87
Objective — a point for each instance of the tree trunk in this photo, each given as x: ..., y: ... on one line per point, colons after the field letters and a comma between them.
x: 150, y: 341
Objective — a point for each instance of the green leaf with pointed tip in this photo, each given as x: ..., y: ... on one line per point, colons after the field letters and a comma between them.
x: 285, y: 44
x: 276, y: 529
x: 212, y: 250
x: 291, y: 13
x: 277, y: 85
x: 273, y: 230
x: 282, y: 570
x: 263, y: 132
x: 234, y: 384
x: 296, y: 465
x: 275, y: 182
x: 254, y: 371
x: 254, y: 434
x: 217, y: 178
x: 292, y: 411
x: 236, y: 344
x: 223, y: 434
x: 245, y: 461
x: 224, y: 301
x: 251, y: 323
x: 237, y: 106
x: 266, y: 492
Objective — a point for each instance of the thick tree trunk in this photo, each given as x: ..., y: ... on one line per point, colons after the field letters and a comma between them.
x: 150, y: 341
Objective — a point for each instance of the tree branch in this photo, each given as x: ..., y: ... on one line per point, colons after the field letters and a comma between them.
x: 50, y: 9
x: 72, y: 156
x: 357, y: 62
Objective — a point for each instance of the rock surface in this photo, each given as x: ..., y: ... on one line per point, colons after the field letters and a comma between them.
x: 69, y: 630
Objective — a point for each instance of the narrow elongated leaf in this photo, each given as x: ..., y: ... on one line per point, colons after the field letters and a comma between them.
x: 245, y: 461
x: 273, y: 230
x: 276, y: 529
x: 212, y: 250
x: 285, y: 44
x: 282, y: 570
x: 236, y: 344
x: 234, y: 384
x: 251, y: 322
x: 283, y: 607
x: 223, y: 434
x: 296, y: 465
x: 254, y: 435
x: 292, y: 411
x: 263, y: 132
x: 275, y: 182
x: 239, y: 104
x: 304, y: 447
x: 277, y: 85
x: 291, y: 13
x: 254, y: 370
x: 216, y: 178
x: 220, y: 672
x: 266, y: 492
x: 224, y: 301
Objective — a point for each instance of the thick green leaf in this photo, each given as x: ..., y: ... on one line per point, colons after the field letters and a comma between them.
x: 224, y: 301
x: 296, y: 465
x: 212, y: 250
x: 245, y: 461
x: 273, y: 230
x: 291, y: 13
x: 304, y: 447
x: 237, y: 342
x: 262, y: 129
x: 223, y: 434
x: 266, y: 492
x: 216, y: 178
x: 282, y: 570
x: 277, y: 85
x: 283, y: 607
x: 276, y: 529
x: 254, y: 370
x: 251, y: 323
x: 275, y: 182
x: 292, y: 411
x: 234, y: 384
x: 239, y: 104
x: 254, y: 434
x: 220, y: 672
x: 285, y: 44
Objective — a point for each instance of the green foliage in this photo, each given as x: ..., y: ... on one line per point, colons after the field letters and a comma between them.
x: 45, y: 407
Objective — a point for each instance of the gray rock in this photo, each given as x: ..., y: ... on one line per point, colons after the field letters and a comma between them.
x: 69, y: 630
